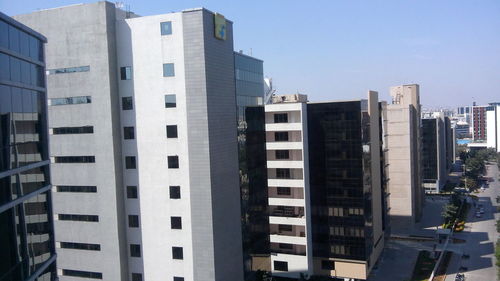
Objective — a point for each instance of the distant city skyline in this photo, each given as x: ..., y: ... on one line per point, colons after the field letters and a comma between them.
x: 337, y: 50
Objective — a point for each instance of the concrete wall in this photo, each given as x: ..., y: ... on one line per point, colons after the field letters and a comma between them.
x: 83, y: 35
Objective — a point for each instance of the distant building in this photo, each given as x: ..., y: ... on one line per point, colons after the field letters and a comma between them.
x: 27, y: 248
x: 462, y: 130
x: 478, y: 122
x: 434, y: 155
x: 493, y: 127
x: 404, y: 146
x: 327, y: 207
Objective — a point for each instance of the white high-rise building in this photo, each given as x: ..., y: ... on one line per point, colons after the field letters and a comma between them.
x: 493, y: 127
x: 143, y: 143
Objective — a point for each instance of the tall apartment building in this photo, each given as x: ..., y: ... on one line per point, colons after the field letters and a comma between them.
x: 434, y: 155
x: 404, y: 157
x: 478, y: 123
x: 327, y: 211
x: 142, y: 113
x: 493, y: 127
x: 27, y: 249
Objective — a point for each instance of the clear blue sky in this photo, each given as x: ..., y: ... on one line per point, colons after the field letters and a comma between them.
x: 334, y: 50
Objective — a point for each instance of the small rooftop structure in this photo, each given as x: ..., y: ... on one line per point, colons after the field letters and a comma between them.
x: 289, y: 98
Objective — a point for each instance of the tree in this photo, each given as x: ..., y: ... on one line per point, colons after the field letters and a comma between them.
x: 449, y: 213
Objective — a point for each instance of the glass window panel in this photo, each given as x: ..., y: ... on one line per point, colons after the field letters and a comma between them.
x: 168, y: 70
x: 171, y: 131
x: 170, y: 101
x: 126, y: 73
x: 15, y: 70
x: 166, y: 28
x: 13, y: 39
x: 127, y: 103
x: 34, y: 48
x: 175, y: 192
x: 24, y: 43
x: 25, y: 72
x: 4, y: 67
x: 130, y: 162
x: 4, y: 34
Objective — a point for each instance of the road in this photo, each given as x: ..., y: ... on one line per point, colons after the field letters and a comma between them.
x: 480, y: 236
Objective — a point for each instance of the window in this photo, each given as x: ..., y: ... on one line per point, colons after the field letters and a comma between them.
x: 130, y: 162
x: 178, y: 278
x: 74, y: 159
x: 282, y: 173
x: 280, y: 136
x: 176, y: 222
x: 135, y: 250
x: 69, y: 70
x: 133, y: 221
x: 128, y: 133
x: 126, y: 73
x: 170, y: 101
x: 73, y: 130
x: 281, y: 118
x: 173, y: 162
x: 136, y: 277
x: 285, y: 246
x: 285, y: 227
x: 127, y: 103
x: 282, y: 154
x: 175, y: 192
x: 327, y: 265
x: 74, y: 188
x: 168, y: 70
x: 131, y: 192
x: 81, y: 246
x: 281, y: 265
x: 166, y: 28
x: 177, y: 253
x: 72, y: 217
x: 171, y: 131
x: 284, y: 190
x: 70, y: 100
x: 83, y: 274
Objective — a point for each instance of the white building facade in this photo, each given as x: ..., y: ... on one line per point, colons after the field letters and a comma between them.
x: 493, y: 128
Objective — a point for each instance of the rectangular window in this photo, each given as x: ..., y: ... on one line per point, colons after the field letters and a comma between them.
x: 136, y: 277
x: 281, y: 118
x: 171, y: 131
x: 327, y: 265
x: 82, y: 274
x: 280, y: 136
x: 132, y: 192
x: 70, y: 100
x: 173, y: 162
x: 127, y: 103
x: 128, y: 133
x: 74, y: 159
x: 126, y: 73
x: 69, y: 70
x: 285, y: 227
x: 176, y: 222
x: 166, y: 28
x: 285, y: 246
x: 178, y: 278
x: 170, y: 101
x: 73, y: 130
x: 177, y: 253
x: 175, y: 192
x: 282, y: 173
x: 133, y: 221
x: 284, y: 190
x: 282, y: 154
x: 135, y: 250
x: 168, y: 70
x: 281, y: 265
x: 74, y: 188
x: 80, y: 246
x: 130, y: 162
x: 73, y: 217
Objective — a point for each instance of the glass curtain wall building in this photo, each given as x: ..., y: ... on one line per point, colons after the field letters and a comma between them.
x: 26, y: 227
x: 249, y: 79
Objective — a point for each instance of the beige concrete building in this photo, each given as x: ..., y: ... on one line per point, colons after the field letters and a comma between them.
x: 403, y: 157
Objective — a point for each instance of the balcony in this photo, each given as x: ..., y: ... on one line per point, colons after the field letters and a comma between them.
x: 286, y: 192
x: 285, y: 173
x: 293, y: 155
x: 286, y: 211
x: 287, y: 230
x: 291, y: 249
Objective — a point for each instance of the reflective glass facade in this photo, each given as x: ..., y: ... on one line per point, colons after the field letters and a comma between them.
x: 249, y: 81
x: 26, y: 227
x: 429, y: 150
x: 339, y: 155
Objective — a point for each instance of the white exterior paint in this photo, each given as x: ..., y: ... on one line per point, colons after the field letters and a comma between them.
x: 493, y: 128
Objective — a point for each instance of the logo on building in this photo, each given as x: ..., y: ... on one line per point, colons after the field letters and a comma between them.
x: 220, y: 26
